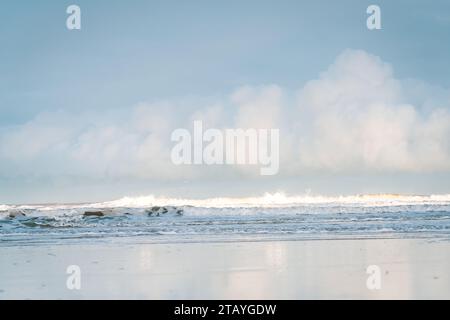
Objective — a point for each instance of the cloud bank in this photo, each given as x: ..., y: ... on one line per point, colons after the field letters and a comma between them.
x: 355, y: 117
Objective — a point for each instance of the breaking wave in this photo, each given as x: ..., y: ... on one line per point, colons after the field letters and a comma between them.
x: 281, y: 200
x: 272, y: 216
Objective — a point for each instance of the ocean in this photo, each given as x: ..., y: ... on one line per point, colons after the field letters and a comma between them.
x: 270, y: 217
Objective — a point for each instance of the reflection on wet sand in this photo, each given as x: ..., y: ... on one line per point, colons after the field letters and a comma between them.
x: 329, y: 269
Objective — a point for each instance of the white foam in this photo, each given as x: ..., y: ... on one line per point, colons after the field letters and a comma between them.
x: 268, y: 200
x: 280, y: 200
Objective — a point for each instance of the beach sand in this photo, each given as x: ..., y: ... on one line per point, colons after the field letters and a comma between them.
x: 320, y: 269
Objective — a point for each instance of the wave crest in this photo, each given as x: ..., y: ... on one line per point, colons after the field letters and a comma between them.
x: 280, y: 199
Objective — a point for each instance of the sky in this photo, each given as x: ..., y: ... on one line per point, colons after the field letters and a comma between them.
x: 87, y: 115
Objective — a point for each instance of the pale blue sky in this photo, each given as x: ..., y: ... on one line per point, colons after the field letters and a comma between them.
x: 136, y: 51
x: 145, y: 50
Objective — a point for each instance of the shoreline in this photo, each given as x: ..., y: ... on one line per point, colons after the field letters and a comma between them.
x: 199, y: 239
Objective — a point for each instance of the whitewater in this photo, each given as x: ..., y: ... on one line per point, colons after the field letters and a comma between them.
x: 275, y: 216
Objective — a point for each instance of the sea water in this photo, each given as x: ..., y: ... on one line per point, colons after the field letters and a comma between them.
x: 271, y: 217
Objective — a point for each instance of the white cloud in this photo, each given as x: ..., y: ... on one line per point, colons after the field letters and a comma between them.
x: 355, y: 117
x: 358, y: 118
x: 258, y: 107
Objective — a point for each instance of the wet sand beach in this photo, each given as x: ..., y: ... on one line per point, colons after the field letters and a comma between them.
x: 319, y: 269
